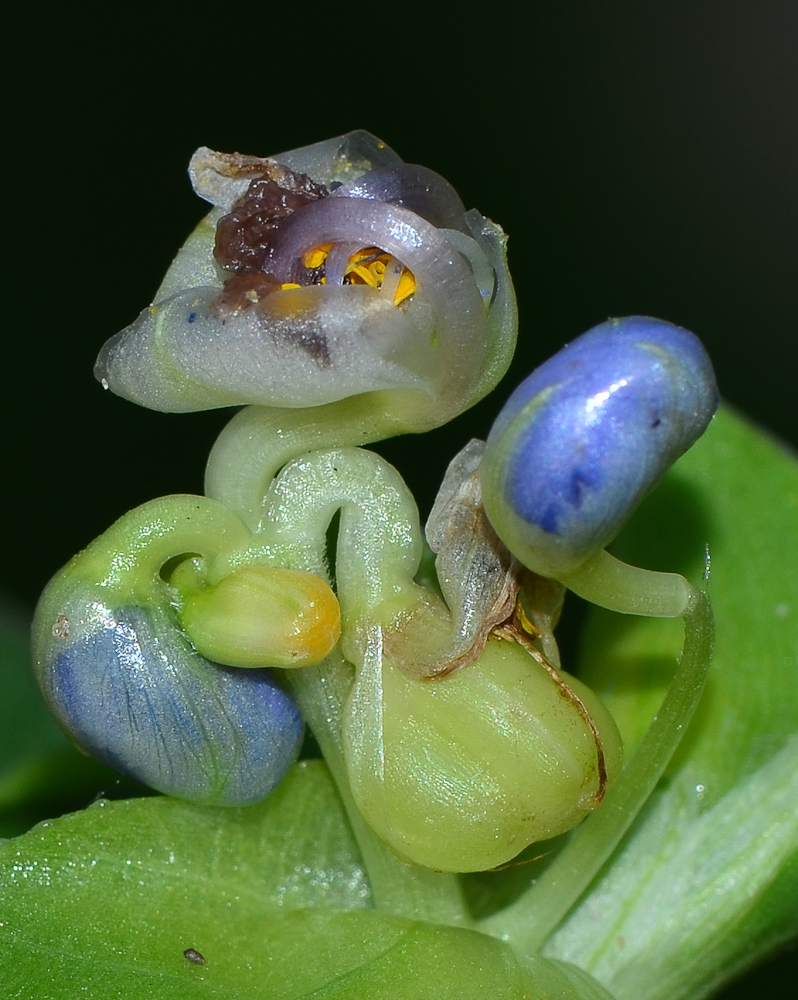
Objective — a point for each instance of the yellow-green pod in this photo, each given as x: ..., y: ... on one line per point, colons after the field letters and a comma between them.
x: 462, y: 773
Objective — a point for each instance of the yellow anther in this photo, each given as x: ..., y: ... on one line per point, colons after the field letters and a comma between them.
x: 407, y: 287
x: 525, y: 623
x: 359, y: 274
x: 368, y: 267
x: 316, y: 257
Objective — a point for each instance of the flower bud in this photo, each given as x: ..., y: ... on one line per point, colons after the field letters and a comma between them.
x: 588, y: 434
x: 264, y: 616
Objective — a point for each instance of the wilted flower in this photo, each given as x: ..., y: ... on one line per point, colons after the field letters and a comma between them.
x: 320, y: 274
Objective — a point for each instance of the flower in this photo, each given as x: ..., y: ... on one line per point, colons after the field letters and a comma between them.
x: 149, y: 675
x: 320, y: 274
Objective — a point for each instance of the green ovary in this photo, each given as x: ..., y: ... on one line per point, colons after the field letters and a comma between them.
x: 462, y: 773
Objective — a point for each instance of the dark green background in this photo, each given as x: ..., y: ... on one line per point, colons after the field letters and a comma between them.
x: 642, y: 157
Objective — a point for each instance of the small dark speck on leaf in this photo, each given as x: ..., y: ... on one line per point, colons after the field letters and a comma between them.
x: 192, y: 317
x: 194, y: 956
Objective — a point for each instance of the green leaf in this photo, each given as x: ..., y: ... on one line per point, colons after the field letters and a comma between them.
x: 104, y: 903
x: 707, y: 880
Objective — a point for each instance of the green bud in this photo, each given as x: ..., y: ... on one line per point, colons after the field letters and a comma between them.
x: 464, y: 772
x: 264, y: 616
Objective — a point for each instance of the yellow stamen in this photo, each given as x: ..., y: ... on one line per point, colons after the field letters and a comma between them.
x: 407, y: 287
x: 316, y: 257
x: 367, y: 267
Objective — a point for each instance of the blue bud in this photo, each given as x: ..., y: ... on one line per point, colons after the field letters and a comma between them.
x: 587, y: 435
x: 129, y: 688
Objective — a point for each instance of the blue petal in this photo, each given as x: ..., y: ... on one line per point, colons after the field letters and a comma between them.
x: 132, y: 691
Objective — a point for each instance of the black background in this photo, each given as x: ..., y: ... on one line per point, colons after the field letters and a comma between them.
x: 643, y: 158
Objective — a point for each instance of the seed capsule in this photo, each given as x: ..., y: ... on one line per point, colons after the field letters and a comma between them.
x: 462, y: 773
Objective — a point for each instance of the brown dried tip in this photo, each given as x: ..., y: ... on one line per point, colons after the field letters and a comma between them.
x: 243, y: 236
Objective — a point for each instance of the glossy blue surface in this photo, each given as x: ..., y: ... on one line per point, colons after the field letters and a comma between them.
x: 587, y: 434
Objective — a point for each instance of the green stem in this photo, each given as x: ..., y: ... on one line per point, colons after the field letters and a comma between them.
x: 629, y: 590
x: 379, y: 543
x: 129, y: 555
x: 399, y: 888
x: 378, y: 553
x: 529, y: 922
x: 260, y: 440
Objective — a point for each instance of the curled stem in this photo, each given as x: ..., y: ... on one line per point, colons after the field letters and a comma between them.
x: 531, y: 919
x: 260, y: 440
x: 128, y: 557
x: 378, y: 553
